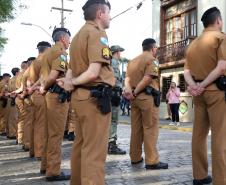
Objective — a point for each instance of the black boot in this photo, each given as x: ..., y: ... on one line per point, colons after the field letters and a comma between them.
x: 114, y: 150
x: 71, y: 136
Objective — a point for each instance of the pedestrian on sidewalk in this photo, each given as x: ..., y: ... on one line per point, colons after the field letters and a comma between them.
x: 173, y: 96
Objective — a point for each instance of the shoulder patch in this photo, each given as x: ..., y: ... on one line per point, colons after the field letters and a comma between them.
x: 63, y: 58
x: 106, y: 53
x: 104, y: 41
x: 156, y: 62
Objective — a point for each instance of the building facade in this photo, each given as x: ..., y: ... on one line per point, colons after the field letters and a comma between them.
x: 175, y: 24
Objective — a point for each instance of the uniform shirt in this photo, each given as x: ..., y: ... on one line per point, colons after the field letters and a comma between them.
x: 115, y: 66
x: 35, y: 69
x: 204, y: 53
x: 144, y: 64
x: 25, y: 79
x: 90, y: 45
x: 12, y: 84
x: 54, y: 58
x: 2, y: 89
x: 19, y: 79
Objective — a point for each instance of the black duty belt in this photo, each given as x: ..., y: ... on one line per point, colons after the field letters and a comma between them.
x: 102, y: 92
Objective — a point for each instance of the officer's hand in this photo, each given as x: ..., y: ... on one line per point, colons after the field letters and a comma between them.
x: 30, y: 90
x: 65, y: 83
x: 195, y: 90
x: 42, y: 90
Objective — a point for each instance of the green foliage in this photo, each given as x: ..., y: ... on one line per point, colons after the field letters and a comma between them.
x: 6, y: 10
x: 6, y: 14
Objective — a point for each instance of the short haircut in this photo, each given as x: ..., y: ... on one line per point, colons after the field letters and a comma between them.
x: 6, y: 75
x: 31, y: 59
x: 148, y: 44
x: 15, y: 70
x: 210, y: 16
x: 58, y: 35
x: 41, y: 49
x: 91, y: 11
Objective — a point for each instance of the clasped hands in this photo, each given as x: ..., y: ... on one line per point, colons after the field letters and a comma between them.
x: 195, y: 90
x: 128, y: 93
x: 66, y: 83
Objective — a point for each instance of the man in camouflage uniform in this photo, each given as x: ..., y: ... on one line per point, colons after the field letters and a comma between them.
x: 112, y: 146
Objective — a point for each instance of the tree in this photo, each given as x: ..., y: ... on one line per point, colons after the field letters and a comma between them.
x: 7, y: 8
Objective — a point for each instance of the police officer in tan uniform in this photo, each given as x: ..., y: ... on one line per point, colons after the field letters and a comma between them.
x: 28, y: 106
x: 206, y: 62
x: 141, y: 76
x: 38, y: 102
x: 54, y: 65
x: 92, y: 77
x: 3, y: 103
x: 20, y: 104
x: 13, y: 114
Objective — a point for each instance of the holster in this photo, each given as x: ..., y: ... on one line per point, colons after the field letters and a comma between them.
x: 12, y: 102
x: 116, y: 96
x: 155, y: 93
x: 63, y: 95
x: 3, y: 101
x: 103, y: 95
x: 221, y: 84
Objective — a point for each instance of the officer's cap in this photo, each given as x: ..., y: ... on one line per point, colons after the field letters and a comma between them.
x: 61, y: 29
x: 148, y: 42
x: 116, y: 48
x: 43, y: 44
x: 209, y: 12
x: 91, y: 2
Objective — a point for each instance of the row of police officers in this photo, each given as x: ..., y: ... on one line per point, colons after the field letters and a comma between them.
x: 91, y: 83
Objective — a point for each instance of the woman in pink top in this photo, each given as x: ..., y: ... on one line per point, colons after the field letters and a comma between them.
x: 173, y: 96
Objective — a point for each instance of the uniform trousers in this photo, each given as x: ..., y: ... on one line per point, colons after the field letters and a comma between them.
x: 90, y: 147
x: 37, y: 126
x: 21, y: 118
x: 2, y: 119
x: 210, y: 112
x: 114, y: 124
x: 56, y: 114
x: 71, y: 120
x: 12, y: 120
x: 144, y: 129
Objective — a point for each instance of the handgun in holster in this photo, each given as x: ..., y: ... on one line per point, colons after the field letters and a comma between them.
x: 3, y: 101
x: 221, y: 84
x: 155, y: 93
x: 103, y: 95
x: 116, y: 96
x: 63, y: 94
x: 12, y: 102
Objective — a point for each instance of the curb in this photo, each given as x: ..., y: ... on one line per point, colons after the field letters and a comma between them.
x: 183, y: 129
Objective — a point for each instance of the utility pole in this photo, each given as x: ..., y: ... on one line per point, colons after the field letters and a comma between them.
x: 62, y: 10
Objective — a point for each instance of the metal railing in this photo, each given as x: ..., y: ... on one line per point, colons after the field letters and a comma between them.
x: 173, y: 52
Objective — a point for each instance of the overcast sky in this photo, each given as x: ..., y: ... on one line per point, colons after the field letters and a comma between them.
x: 128, y: 30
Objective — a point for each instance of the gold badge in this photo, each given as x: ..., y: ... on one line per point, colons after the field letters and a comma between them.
x: 62, y: 65
x: 156, y: 69
x: 106, y: 54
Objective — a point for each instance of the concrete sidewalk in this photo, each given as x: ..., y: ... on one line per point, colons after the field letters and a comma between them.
x: 163, y: 123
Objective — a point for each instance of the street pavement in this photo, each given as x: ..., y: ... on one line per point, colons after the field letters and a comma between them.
x: 16, y: 168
